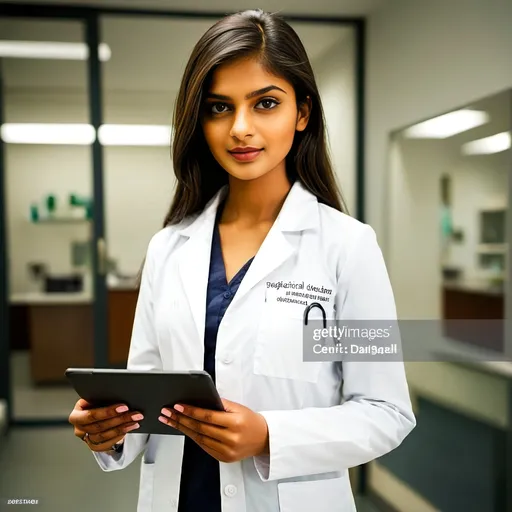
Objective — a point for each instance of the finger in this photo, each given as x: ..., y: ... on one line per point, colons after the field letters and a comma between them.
x: 213, y: 446
x: 80, y: 416
x: 126, y: 417
x: 104, y: 446
x: 83, y: 404
x: 205, y: 415
x: 110, y: 434
x: 230, y: 406
x: 208, y: 429
x: 109, y: 429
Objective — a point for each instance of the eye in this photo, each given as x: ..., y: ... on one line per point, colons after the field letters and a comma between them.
x: 220, y: 111
x: 267, y: 103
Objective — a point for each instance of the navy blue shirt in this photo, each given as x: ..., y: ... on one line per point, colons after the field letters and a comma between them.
x: 200, y: 477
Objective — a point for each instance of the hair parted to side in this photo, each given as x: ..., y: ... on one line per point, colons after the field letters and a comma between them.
x: 268, y: 38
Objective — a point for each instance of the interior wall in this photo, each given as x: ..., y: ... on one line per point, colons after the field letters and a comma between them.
x: 138, y: 184
x: 478, y: 182
x: 139, y: 181
x: 424, y: 59
x: 336, y: 83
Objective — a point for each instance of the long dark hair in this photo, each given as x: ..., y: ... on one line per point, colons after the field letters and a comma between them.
x: 267, y: 37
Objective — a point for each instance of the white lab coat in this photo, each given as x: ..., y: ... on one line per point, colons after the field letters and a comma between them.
x: 317, y: 428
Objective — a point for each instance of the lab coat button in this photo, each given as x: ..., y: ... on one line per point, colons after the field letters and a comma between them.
x: 174, y: 503
x: 227, y: 358
x: 230, y: 490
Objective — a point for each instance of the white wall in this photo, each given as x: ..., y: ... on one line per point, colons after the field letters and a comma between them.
x: 138, y: 181
x: 414, y: 249
x: 336, y: 81
x: 424, y: 59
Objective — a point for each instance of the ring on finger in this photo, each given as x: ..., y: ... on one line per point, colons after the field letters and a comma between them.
x: 88, y: 439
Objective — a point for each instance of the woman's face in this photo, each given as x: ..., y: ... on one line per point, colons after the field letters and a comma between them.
x: 246, y: 106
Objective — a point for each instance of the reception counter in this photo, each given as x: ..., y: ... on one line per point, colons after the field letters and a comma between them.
x: 58, y: 330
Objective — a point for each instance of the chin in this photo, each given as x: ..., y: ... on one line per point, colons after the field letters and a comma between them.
x: 247, y: 175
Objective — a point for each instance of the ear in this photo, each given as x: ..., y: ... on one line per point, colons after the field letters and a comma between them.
x: 303, y: 114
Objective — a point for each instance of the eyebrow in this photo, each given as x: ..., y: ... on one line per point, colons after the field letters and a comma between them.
x: 248, y: 96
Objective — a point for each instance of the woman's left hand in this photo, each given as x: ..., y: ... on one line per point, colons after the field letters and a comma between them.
x: 229, y: 436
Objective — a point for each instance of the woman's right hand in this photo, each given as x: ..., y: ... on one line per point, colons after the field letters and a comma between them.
x: 106, y: 426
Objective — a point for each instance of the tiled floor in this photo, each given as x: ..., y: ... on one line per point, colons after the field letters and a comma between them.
x: 53, y: 466
x: 37, y: 402
x: 50, y: 464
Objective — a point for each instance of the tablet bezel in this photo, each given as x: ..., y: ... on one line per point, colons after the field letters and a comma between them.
x: 146, y: 391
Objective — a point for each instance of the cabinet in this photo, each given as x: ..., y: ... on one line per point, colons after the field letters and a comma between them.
x: 59, y: 331
x: 462, y: 303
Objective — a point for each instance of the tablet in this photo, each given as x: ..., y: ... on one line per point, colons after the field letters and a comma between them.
x: 146, y: 391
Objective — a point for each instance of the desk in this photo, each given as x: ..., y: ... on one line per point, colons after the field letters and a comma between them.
x: 464, y: 301
x: 58, y: 329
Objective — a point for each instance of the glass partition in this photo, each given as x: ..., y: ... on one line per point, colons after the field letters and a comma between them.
x: 139, y: 85
x: 48, y: 189
x: 448, y: 212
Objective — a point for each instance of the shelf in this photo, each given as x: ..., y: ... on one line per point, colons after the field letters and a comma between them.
x: 60, y: 220
x: 492, y: 248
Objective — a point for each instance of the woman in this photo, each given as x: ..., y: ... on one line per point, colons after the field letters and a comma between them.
x: 256, y: 217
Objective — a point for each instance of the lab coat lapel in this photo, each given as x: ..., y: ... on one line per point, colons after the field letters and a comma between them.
x: 194, y: 260
x: 299, y: 212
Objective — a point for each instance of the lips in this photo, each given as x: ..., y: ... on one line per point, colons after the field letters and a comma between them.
x: 245, y: 150
x: 246, y: 155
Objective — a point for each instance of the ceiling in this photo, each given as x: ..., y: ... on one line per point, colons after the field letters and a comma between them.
x: 148, y: 53
x: 288, y: 7
x: 497, y: 106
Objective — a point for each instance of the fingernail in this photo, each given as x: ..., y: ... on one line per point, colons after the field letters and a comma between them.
x: 122, y: 408
x: 137, y: 417
x: 179, y: 408
x: 163, y: 419
x: 133, y: 427
x: 167, y: 412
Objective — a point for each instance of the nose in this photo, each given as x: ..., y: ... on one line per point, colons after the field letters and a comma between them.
x: 242, y: 125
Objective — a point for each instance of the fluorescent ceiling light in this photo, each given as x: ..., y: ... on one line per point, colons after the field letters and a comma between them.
x: 494, y: 144
x: 447, y: 125
x: 25, y: 133
x: 134, y: 135
x: 84, y: 134
x: 51, y: 50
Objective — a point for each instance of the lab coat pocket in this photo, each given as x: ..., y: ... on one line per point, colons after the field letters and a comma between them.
x: 330, y: 495
x: 279, y: 345
x: 147, y: 471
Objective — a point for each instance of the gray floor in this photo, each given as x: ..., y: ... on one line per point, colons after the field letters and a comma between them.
x: 37, y: 402
x: 55, y: 467
x: 51, y: 465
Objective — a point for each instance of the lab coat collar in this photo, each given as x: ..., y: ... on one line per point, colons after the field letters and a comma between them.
x: 299, y: 212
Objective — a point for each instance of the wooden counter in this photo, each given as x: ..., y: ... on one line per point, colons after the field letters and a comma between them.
x: 470, y: 302
x: 121, y: 312
x: 58, y: 331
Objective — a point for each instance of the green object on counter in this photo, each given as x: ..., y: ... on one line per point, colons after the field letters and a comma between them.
x: 51, y: 203
x: 34, y: 213
x: 76, y: 200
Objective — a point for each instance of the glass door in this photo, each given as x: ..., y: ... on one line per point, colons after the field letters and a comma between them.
x: 53, y: 217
